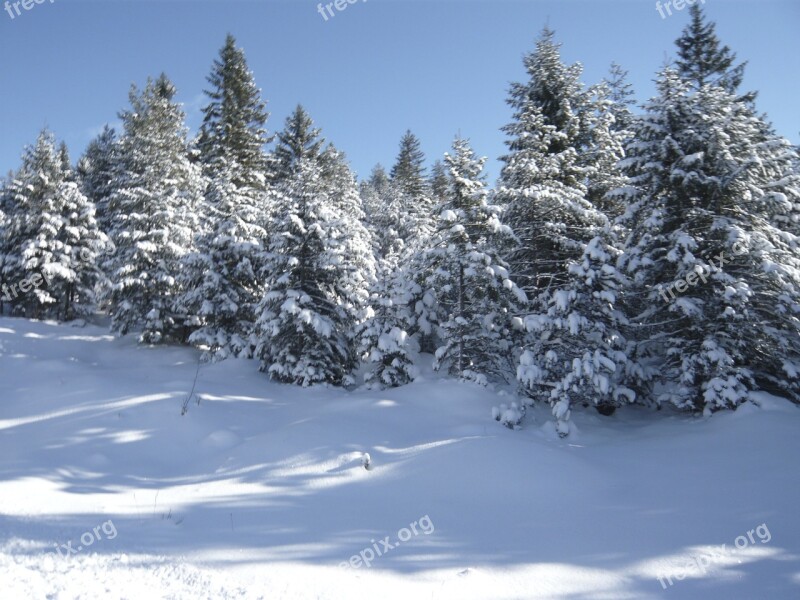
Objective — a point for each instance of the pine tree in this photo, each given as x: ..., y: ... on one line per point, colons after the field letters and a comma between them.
x: 232, y: 136
x: 475, y: 298
x: 416, y: 205
x: 222, y: 278
x: 715, y: 273
x: 51, y: 224
x: 383, y: 338
x: 577, y: 352
x: 606, y: 149
x: 154, y: 197
x: 620, y: 93
x: 382, y: 203
x: 545, y: 178
x: 409, y: 169
x: 299, y: 140
x: 342, y: 191
x: 701, y: 59
x: 95, y: 171
x: 85, y: 246
x: 305, y: 321
x: 438, y: 182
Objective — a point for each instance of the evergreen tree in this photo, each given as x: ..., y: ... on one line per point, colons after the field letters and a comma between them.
x: 577, y: 351
x: 383, y: 207
x: 233, y: 135
x: 715, y: 273
x: 342, y: 191
x: 701, y: 59
x: 51, y: 238
x: 222, y: 278
x: 545, y: 180
x: 438, y: 182
x: 409, y: 169
x: 475, y: 298
x: 620, y: 94
x: 384, y: 340
x: 299, y: 140
x: 95, y: 171
x: 307, y: 317
x: 607, y: 148
x: 414, y: 202
x: 154, y: 196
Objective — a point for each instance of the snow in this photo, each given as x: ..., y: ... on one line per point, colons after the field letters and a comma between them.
x: 260, y: 490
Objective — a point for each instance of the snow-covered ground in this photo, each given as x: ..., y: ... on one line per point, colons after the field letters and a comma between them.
x: 259, y: 491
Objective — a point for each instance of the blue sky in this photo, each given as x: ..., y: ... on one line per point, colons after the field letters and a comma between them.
x: 365, y: 75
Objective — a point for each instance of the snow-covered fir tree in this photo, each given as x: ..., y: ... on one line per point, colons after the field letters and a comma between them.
x: 475, y: 298
x: 223, y: 277
x: 383, y: 338
x: 51, y: 236
x: 317, y: 266
x: 408, y: 176
x: 342, y: 189
x: 95, y: 171
x: 621, y: 95
x: 545, y: 175
x: 564, y: 148
x: 233, y: 134
x: 304, y: 327
x: 702, y: 60
x: 409, y: 168
x: 438, y: 182
x: 715, y: 269
x: 577, y: 350
x: 153, y: 203
x: 298, y: 140
x: 382, y: 203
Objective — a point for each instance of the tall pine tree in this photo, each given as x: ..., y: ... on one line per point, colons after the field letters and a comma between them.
x: 155, y: 195
x: 233, y: 134
x: 475, y: 299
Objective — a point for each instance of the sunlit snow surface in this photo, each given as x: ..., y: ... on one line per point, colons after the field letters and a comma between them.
x: 260, y: 490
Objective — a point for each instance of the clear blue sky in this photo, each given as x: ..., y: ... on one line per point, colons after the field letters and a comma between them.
x: 365, y: 75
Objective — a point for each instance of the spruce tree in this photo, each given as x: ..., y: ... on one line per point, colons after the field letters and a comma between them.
x: 621, y: 96
x: 232, y: 136
x: 384, y: 340
x: 475, y: 299
x: 153, y: 203
x: 545, y: 180
x: 382, y: 203
x: 713, y: 264
x: 95, y: 171
x: 415, y: 203
x: 51, y: 224
x: 438, y: 182
x: 577, y: 351
x: 305, y: 321
x: 222, y: 278
x: 409, y: 169
x: 318, y: 265
x: 299, y: 140
x: 702, y: 60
